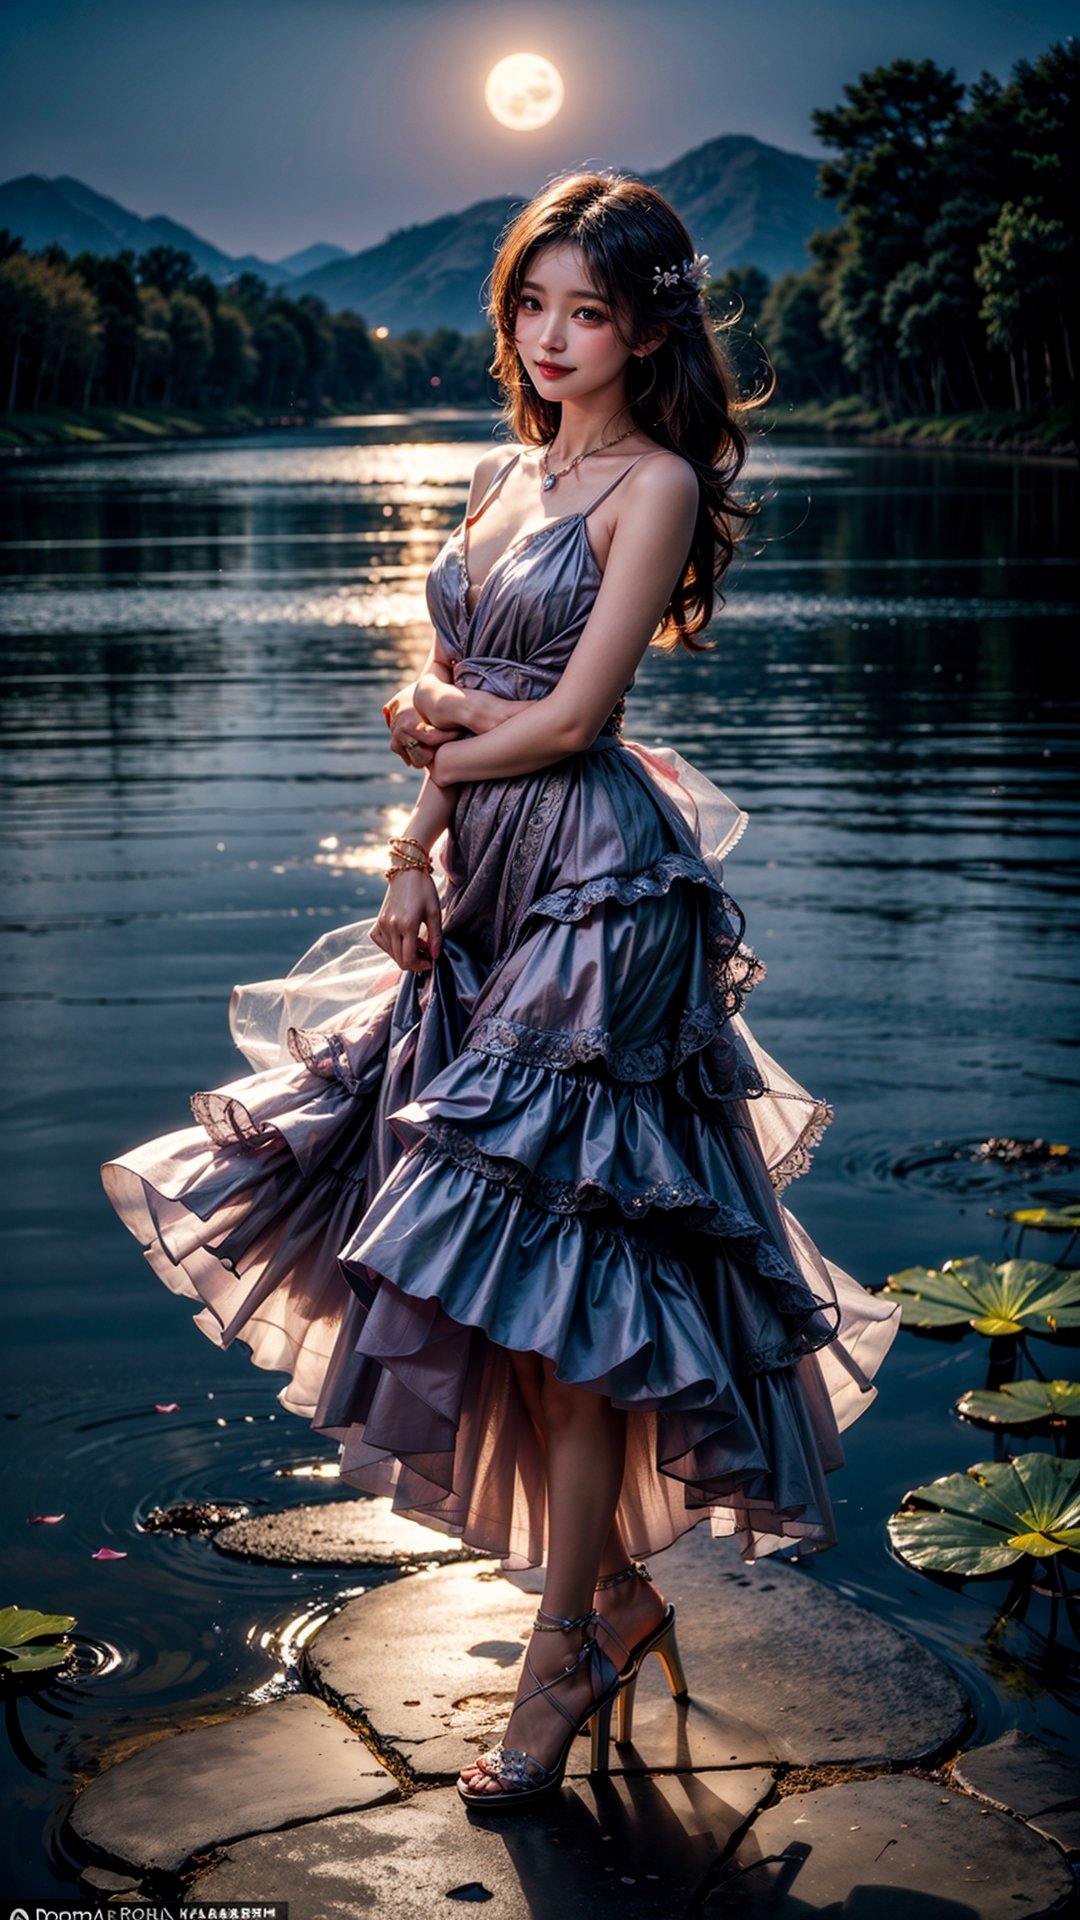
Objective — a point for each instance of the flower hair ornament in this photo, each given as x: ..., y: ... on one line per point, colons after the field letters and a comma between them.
x: 693, y: 273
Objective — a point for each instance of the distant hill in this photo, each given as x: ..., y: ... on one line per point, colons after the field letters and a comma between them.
x: 67, y: 212
x: 745, y: 203
x: 425, y: 276
x: 312, y: 258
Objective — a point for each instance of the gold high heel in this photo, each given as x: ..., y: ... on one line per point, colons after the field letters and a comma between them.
x: 660, y: 1641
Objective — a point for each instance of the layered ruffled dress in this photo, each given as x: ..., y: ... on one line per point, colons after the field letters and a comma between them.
x: 562, y: 1140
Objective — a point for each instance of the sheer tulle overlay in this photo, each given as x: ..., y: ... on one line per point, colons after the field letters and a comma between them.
x: 564, y: 1140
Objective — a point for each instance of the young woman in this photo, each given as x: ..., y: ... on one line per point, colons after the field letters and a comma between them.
x: 500, y: 1195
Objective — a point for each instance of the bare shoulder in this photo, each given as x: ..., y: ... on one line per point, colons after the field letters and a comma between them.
x: 665, y: 476
x: 663, y: 487
x: 485, y: 470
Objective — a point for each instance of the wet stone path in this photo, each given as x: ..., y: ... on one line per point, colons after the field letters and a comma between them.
x: 822, y: 1764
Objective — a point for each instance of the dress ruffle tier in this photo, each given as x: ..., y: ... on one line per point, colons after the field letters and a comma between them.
x: 563, y: 1141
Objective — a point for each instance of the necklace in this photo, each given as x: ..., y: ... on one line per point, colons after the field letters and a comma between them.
x: 550, y: 478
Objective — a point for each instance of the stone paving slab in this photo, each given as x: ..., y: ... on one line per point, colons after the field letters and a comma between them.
x: 339, y: 1533
x: 833, y: 1682
x: 102, y: 1880
x: 1023, y: 1774
x: 289, y: 1760
x: 631, y: 1848
x: 892, y: 1848
x: 779, y: 1668
x: 431, y: 1665
x: 433, y: 1668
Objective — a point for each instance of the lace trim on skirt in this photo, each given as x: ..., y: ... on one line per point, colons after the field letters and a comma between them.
x: 791, y: 1294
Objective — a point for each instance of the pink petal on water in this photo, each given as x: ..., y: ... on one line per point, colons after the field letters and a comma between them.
x: 48, y: 1519
x: 173, y: 1406
x: 108, y: 1553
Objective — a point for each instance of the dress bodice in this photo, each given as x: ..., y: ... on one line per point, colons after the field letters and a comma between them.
x: 531, y: 607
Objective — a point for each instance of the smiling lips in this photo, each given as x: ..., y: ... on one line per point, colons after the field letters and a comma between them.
x: 551, y: 370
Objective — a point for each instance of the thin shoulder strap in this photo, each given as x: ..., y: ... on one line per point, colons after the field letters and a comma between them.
x: 612, y: 484
x: 491, y: 487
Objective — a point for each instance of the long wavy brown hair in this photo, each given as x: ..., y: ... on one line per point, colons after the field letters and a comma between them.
x: 683, y: 394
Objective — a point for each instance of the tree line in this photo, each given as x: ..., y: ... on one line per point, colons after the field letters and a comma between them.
x: 123, y: 332
x: 951, y: 282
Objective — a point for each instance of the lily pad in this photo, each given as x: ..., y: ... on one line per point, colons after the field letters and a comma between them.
x: 1064, y: 1219
x: 985, y: 1520
x: 993, y: 1297
x: 1020, y: 1402
x: 32, y: 1642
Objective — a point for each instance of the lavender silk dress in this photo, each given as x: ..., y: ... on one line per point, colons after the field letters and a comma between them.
x: 563, y: 1140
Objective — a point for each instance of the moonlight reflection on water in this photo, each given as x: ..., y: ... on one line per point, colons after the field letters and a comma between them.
x: 198, y: 644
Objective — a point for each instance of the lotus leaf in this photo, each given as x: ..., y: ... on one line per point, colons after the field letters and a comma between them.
x: 994, y: 1297
x: 1051, y: 1219
x: 984, y: 1521
x: 1021, y: 1401
x: 21, y: 1629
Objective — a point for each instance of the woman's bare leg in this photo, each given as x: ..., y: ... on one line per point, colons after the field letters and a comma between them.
x: 616, y: 1553
x: 633, y: 1608
x: 529, y: 1368
x: 584, y: 1442
x: 583, y: 1491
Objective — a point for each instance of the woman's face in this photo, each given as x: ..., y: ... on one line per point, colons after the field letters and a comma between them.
x: 563, y: 322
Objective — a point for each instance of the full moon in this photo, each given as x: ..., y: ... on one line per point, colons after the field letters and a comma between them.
x: 524, y: 91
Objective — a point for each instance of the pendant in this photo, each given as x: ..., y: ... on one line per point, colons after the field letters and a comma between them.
x: 549, y: 482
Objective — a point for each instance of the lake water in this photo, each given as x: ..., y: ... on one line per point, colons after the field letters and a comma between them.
x: 197, y: 644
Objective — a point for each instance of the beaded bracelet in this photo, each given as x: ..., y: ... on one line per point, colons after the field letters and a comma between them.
x: 406, y: 840
x: 409, y: 862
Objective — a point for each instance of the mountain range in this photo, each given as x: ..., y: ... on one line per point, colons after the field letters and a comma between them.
x: 69, y: 214
x: 745, y: 202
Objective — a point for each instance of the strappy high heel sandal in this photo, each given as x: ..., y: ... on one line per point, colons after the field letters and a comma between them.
x: 660, y: 1641
x: 523, y: 1779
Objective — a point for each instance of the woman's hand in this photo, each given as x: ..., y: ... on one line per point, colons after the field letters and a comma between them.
x: 411, y: 902
x: 412, y: 738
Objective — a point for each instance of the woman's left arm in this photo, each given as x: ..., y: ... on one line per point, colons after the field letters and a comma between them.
x: 657, y: 514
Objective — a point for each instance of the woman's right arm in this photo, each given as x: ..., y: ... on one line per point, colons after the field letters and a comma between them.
x: 446, y: 705
x: 411, y: 900
x: 432, y: 710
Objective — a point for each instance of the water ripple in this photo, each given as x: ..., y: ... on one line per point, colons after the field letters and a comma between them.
x: 124, y: 609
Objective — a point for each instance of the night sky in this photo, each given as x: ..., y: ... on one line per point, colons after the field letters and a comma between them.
x: 269, y: 124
